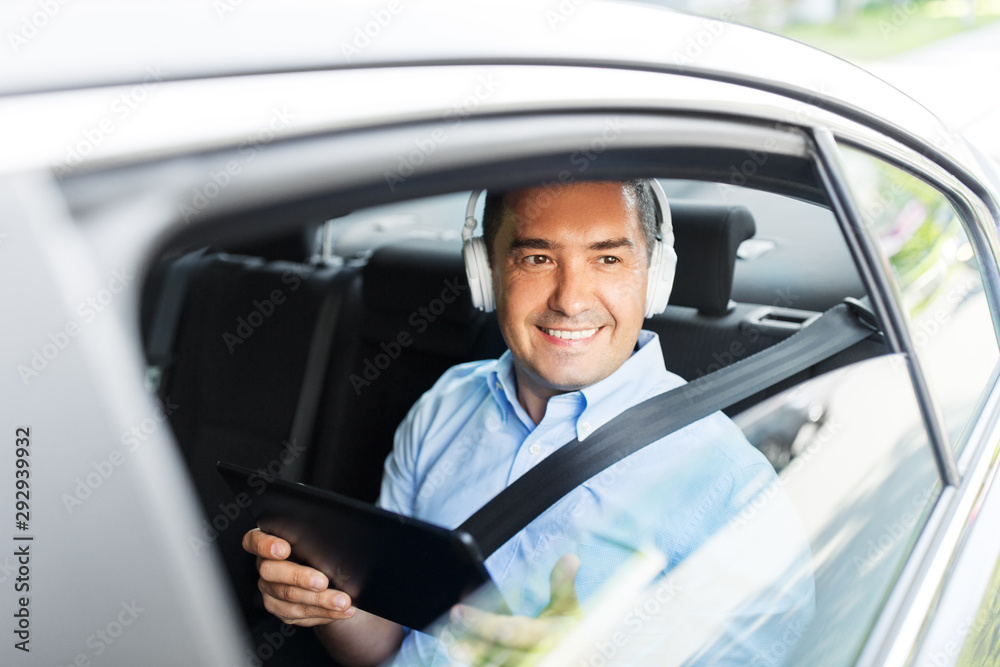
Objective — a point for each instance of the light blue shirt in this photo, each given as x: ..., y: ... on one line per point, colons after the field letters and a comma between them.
x: 468, y: 438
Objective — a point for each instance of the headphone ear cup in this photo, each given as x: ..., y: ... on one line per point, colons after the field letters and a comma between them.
x: 477, y: 271
x: 662, y: 264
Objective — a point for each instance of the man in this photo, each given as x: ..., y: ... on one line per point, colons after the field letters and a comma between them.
x: 570, y: 268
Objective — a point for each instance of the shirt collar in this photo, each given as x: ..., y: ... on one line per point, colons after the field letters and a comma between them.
x: 503, y: 386
x: 642, y: 375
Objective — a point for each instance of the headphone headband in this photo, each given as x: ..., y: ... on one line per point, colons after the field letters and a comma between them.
x: 470, y: 216
x: 663, y: 259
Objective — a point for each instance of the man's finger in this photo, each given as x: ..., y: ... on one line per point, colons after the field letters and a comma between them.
x: 304, y: 615
x: 468, y: 650
x: 511, y: 631
x: 329, y: 599
x: 261, y: 544
x: 562, y: 581
x: 286, y: 572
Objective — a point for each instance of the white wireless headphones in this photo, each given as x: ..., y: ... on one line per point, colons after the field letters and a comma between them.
x: 662, y: 262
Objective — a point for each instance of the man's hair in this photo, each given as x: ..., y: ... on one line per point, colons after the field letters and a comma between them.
x: 638, y: 188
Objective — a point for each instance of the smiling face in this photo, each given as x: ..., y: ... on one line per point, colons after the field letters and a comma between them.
x: 569, y: 271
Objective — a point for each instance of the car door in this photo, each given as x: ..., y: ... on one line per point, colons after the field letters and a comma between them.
x: 872, y: 486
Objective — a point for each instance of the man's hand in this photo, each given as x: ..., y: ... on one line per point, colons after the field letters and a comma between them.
x: 485, y: 639
x: 296, y: 594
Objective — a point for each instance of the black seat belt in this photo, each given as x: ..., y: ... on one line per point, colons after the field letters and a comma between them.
x: 317, y: 359
x: 657, y: 417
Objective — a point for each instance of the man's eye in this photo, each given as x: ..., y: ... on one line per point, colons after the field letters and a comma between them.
x: 610, y: 259
x: 537, y: 259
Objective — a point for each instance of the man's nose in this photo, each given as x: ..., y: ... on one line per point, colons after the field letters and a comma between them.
x: 573, y: 293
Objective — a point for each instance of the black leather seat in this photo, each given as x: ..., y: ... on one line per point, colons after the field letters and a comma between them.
x: 414, y: 322
x: 238, y: 359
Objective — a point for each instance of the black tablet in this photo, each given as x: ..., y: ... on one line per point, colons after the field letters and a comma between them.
x: 403, y: 569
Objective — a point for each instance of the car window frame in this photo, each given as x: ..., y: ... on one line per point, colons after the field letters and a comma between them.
x: 483, y: 162
x: 909, y: 610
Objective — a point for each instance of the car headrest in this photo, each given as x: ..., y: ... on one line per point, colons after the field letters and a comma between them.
x: 706, y: 237
x: 411, y: 274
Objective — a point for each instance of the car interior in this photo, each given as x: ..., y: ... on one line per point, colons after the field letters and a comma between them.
x: 283, y: 352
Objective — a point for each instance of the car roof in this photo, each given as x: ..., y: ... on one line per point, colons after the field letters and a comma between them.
x: 114, y: 42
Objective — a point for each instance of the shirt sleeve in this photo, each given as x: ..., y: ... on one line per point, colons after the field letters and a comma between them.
x: 426, y: 424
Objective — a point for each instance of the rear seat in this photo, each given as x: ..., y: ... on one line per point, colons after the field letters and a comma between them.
x: 238, y: 361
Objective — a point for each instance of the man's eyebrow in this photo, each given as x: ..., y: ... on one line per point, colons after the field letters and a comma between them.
x: 612, y: 244
x: 533, y: 244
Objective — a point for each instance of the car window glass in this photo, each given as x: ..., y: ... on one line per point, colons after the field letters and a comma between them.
x: 798, y: 574
x: 978, y: 634
x: 936, y: 272
x: 798, y: 570
x: 796, y: 259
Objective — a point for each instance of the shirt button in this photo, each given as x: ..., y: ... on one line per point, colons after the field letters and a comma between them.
x: 585, y: 426
x: 535, y: 448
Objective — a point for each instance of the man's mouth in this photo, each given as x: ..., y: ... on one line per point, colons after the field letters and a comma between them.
x: 566, y: 334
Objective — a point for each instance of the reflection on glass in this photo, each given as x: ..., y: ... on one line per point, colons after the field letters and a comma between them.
x: 979, y: 634
x: 794, y: 572
x: 934, y: 267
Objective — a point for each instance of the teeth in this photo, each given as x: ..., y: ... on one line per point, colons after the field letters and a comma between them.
x: 571, y: 335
